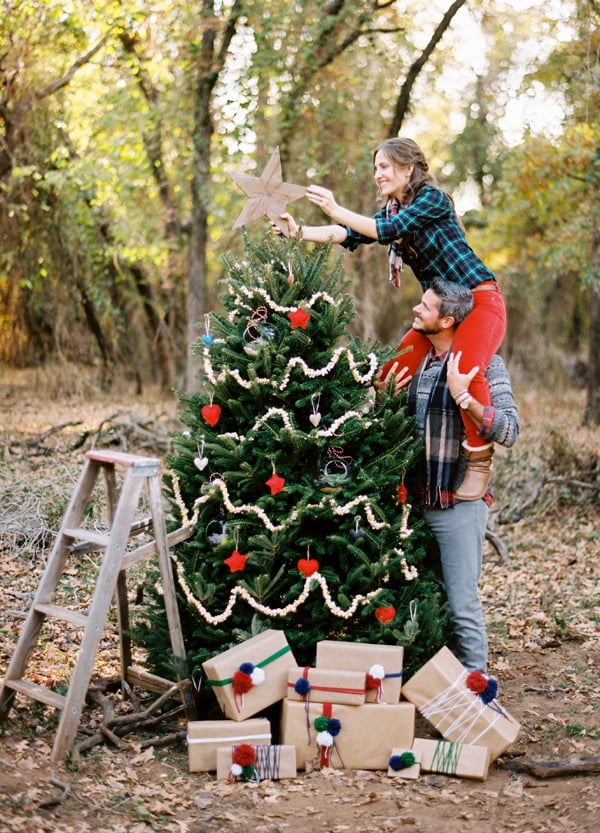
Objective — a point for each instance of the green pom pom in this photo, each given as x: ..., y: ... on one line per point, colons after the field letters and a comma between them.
x: 407, y: 759
x: 321, y: 723
x: 248, y: 773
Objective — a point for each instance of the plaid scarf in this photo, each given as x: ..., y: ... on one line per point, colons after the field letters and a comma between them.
x: 442, y: 433
x: 394, y: 249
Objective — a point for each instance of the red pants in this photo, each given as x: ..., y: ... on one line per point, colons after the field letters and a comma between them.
x: 479, y: 337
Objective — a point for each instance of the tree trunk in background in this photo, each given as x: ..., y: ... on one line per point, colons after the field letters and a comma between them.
x: 403, y: 101
x: 592, y: 410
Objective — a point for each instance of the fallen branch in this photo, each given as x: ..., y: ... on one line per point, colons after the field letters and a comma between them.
x: 53, y: 802
x: 552, y: 769
x: 114, y: 728
x: 518, y: 513
x: 498, y: 546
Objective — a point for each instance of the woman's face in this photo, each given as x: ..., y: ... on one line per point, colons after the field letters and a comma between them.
x: 391, y: 179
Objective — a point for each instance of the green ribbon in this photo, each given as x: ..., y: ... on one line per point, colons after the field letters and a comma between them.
x: 262, y: 664
x: 446, y: 756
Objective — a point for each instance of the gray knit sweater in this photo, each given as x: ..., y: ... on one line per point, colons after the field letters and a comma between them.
x: 505, y: 424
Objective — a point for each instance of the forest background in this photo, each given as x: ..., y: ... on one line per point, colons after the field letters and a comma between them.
x: 121, y: 121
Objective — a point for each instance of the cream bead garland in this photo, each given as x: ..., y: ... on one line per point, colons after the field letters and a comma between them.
x: 256, y: 510
x: 309, y: 372
x: 270, y: 611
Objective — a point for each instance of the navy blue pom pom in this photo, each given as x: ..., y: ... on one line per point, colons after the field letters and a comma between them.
x: 396, y: 763
x: 491, y: 691
x: 334, y: 727
x: 302, y: 686
x: 246, y: 668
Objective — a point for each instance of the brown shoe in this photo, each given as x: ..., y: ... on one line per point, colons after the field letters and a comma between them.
x: 478, y: 473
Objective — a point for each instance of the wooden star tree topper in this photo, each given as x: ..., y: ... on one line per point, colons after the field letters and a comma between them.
x: 268, y: 195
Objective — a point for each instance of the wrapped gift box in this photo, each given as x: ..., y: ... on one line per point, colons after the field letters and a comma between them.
x: 272, y: 762
x: 361, y: 656
x: 241, y: 695
x: 205, y: 737
x: 321, y: 685
x: 408, y: 773
x: 439, y: 690
x: 449, y: 758
x: 365, y: 739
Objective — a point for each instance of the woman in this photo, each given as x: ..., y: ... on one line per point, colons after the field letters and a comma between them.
x: 421, y: 228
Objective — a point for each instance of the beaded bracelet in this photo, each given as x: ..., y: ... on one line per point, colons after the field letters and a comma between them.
x: 460, y: 397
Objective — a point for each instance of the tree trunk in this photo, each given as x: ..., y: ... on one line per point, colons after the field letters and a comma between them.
x: 403, y: 100
x: 592, y: 409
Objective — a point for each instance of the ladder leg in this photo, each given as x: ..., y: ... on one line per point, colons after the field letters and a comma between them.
x: 97, y: 615
x: 123, y: 622
x: 29, y: 633
x: 169, y: 594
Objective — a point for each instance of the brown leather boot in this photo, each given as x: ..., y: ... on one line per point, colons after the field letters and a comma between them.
x: 478, y: 473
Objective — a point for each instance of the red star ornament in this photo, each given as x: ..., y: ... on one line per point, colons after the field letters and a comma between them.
x: 402, y: 493
x: 275, y: 483
x: 299, y: 318
x: 268, y: 195
x: 236, y: 562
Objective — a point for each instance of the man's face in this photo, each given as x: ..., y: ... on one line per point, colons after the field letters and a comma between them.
x: 427, y: 314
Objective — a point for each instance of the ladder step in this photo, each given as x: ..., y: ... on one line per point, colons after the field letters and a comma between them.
x: 63, y: 614
x: 86, y: 535
x: 37, y: 692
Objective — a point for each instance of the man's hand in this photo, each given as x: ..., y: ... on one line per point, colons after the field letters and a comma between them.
x: 457, y: 381
x: 399, y: 380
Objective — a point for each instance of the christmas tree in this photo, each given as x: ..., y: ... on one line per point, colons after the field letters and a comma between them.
x: 293, y: 472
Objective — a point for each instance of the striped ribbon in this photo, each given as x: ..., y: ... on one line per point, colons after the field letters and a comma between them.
x: 446, y: 757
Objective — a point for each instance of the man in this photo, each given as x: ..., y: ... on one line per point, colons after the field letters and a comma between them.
x: 436, y: 394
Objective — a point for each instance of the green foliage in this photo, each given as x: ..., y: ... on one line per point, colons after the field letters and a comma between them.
x: 296, y: 402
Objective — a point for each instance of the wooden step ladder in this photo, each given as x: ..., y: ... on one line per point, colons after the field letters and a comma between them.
x: 122, y: 507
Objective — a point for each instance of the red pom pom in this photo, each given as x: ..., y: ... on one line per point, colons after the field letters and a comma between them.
x: 477, y: 682
x: 372, y: 683
x: 385, y: 614
x: 242, y: 683
x: 244, y: 755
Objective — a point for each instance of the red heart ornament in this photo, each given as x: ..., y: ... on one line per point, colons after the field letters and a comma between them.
x: 211, y: 414
x: 308, y: 566
x: 385, y: 614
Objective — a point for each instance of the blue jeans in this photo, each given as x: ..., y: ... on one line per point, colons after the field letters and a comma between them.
x: 460, y: 533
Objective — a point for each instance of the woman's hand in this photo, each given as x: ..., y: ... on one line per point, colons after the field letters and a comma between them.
x: 322, y: 198
x: 457, y: 381
x: 400, y: 380
x: 288, y: 227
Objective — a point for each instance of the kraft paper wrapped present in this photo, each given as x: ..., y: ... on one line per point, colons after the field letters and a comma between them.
x: 322, y: 685
x: 399, y: 765
x: 384, y: 660
x: 249, y: 677
x: 350, y: 737
x: 270, y: 763
x: 461, y: 705
x: 463, y: 760
x: 205, y: 737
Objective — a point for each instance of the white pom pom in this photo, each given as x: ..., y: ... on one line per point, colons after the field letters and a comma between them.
x: 377, y: 672
x: 324, y: 739
x: 236, y: 770
x: 257, y: 676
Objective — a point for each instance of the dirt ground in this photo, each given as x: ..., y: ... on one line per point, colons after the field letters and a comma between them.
x: 543, y: 613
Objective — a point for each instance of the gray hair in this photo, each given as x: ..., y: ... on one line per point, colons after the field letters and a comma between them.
x: 455, y: 300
